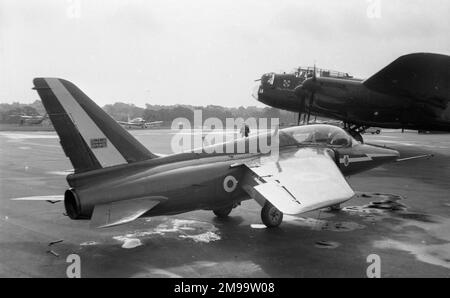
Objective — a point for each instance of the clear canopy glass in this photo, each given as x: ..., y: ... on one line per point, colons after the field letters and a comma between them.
x: 321, y: 134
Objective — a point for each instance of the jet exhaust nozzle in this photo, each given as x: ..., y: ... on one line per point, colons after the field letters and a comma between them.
x: 72, y: 204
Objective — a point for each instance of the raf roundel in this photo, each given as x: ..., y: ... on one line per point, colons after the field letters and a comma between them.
x: 229, y: 183
x: 346, y: 160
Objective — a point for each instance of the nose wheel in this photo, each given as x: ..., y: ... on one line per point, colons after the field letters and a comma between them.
x: 271, y: 216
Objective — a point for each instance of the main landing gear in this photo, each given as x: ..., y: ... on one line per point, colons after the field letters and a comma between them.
x: 271, y: 216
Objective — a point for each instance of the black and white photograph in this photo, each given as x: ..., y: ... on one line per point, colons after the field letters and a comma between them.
x: 224, y: 145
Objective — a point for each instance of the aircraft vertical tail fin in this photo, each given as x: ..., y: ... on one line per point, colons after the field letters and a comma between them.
x: 89, y: 137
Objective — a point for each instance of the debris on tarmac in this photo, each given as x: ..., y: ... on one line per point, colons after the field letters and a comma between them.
x: 53, y: 253
x: 327, y: 244
x: 55, y: 242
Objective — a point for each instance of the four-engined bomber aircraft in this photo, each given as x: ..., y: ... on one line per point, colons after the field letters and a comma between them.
x: 117, y: 180
x: 413, y: 92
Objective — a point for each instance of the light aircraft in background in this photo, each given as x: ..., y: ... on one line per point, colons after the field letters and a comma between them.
x: 31, y: 119
x: 139, y: 122
x: 117, y: 180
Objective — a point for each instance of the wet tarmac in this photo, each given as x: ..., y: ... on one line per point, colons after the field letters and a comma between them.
x: 401, y: 213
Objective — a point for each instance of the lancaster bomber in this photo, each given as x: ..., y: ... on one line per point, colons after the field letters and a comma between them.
x: 413, y: 92
x: 117, y: 180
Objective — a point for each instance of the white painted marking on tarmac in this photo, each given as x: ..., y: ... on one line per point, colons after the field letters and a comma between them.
x: 41, y: 198
x: 61, y: 173
x: 21, y: 136
x: 258, y: 226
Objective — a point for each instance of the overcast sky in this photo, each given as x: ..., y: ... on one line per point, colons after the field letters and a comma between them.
x: 203, y: 52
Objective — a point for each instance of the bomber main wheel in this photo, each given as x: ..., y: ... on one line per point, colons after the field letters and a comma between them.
x: 223, y: 213
x: 271, y: 216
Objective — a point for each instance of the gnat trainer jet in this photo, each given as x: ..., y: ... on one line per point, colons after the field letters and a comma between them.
x: 117, y: 180
x: 139, y: 122
x: 413, y: 92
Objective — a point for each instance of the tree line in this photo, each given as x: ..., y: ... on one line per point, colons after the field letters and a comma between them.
x: 10, y: 113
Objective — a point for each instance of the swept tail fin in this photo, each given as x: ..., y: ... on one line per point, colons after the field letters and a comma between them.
x: 89, y: 137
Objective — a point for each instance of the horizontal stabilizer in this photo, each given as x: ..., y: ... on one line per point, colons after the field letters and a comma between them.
x: 122, y: 212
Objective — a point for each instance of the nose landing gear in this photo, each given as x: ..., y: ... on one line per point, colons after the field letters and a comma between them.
x: 271, y: 216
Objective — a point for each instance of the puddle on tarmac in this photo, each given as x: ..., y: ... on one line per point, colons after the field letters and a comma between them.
x: 386, y: 206
x: 235, y: 268
x: 435, y: 254
x: 196, y: 231
x: 323, y: 225
x: 430, y: 227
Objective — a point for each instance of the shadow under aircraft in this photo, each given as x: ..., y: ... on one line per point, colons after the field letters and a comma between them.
x: 413, y: 92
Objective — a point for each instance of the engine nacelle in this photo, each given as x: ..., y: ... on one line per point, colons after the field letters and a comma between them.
x: 73, y: 205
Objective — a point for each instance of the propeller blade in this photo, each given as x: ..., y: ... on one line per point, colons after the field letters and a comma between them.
x: 314, y: 74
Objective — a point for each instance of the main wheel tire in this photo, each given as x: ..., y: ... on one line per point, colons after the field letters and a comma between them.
x: 223, y: 213
x: 271, y: 216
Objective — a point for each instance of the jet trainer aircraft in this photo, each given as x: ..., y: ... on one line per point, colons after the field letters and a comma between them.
x: 139, y: 122
x: 117, y: 180
x: 413, y: 92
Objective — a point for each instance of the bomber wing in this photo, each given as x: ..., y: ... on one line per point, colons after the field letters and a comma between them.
x: 422, y: 76
x: 301, y: 180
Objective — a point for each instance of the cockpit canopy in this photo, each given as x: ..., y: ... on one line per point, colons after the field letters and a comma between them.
x: 307, y: 72
x: 320, y: 134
